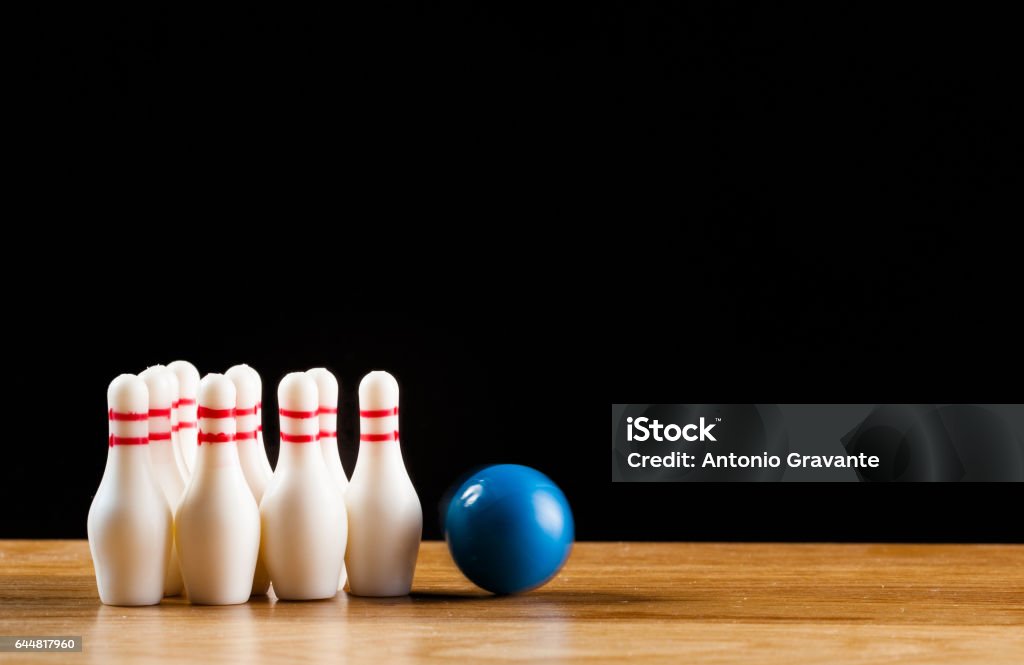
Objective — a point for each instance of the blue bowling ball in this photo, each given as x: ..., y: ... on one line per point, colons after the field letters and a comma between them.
x: 509, y: 528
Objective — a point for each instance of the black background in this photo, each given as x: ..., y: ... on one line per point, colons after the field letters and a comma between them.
x: 527, y: 212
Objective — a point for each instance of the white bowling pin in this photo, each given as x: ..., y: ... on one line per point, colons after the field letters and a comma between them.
x: 261, y: 450
x: 327, y: 389
x: 162, y: 386
x: 129, y: 522
x: 247, y: 395
x: 304, y: 529
x: 385, y: 520
x: 188, y: 387
x: 217, y: 523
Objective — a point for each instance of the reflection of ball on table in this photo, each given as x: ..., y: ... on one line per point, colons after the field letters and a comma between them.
x: 509, y: 528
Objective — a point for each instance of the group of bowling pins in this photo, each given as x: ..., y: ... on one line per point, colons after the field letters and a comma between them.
x: 188, y: 500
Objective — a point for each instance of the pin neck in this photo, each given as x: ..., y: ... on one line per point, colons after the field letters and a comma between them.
x: 187, y: 416
x: 128, y: 428
x: 216, y: 437
x: 215, y: 425
x: 299, y: 426
x: 245, y: 424
x: 378, y: 425
x: 160, y: 425
x: 186, y: 408
x: 328, y: 423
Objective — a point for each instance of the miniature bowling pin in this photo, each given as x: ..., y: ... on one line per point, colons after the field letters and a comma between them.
x: 217, y: 523
x: 385, y: 520
x: 327, y: 389
x: 188, y: 387
x: 304, y: 530
x: 129, y: 522
x: 162, y: 385
x: 247, y: 396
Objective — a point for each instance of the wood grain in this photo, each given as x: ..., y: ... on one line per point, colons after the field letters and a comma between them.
x: 613, y: 603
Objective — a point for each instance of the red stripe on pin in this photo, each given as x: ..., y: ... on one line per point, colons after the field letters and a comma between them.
x: 184, y: 401
x: 250, y: 411
x: 159, y: 413
x: 186, y: 425
x: 288, y: 413
x: 159, y: 436
x: 242, y: 436
x: 298, y: 438
x: 379, y: 413
x: 324, y: 434
x: 377, y: 438
x: 218, y: 437
x: 205, y: 412
x: 127, y: 440
x: 328, y: 410
x: 122, y: 416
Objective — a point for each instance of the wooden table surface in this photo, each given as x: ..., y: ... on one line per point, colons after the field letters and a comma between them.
x: 613, y: 602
